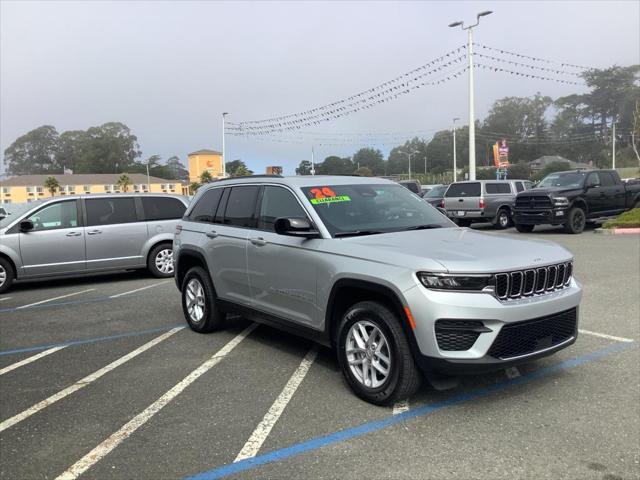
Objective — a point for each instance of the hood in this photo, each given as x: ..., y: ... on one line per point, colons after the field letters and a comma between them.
x: 459, y: 250
x: 549, y: 191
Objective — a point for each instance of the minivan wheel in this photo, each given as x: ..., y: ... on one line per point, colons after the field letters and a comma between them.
x: 199, y: 302
x: 160, y: 262
x: 576, y: 220
x: 503, y: 219
x: 6, y: 275
x: 375, y: 356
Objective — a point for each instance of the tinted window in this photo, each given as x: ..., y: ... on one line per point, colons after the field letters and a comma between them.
x: 277, y: 202
x: 205, y: 209
x: 463, y: 190
x: 413, y: 186
x: 594, y: 179
x: 519, y: 187
x: 58, y: 215
x: 606, y: 179
x: 436, y: 192
x: 241, y: 206
x: 162, y: 208
x: 493, y: 188
x: 108, y: 211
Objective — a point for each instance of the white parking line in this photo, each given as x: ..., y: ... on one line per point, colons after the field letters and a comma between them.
x: 95, y: 455
x: 30, y: 359
x: 5, y: 298
x: 55, y: 298
x: 604, y: 335
x: 84, y: 382
x: 400, y: 407
x: 263, y: 429
x: 137, y: 289
x: 512, y: 372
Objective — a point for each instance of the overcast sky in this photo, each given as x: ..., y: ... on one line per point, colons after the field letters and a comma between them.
x: 169, y: 69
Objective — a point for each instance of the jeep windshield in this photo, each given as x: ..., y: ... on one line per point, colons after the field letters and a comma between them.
x: 568, y: 179
x: 352, y: 210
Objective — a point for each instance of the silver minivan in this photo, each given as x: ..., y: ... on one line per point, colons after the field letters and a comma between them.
x: 76, y: 235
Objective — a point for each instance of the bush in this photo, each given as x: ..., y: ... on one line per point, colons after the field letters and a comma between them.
x: 630, y: 219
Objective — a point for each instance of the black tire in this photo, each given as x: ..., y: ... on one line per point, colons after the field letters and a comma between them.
x: 212, y: 317
x: 7, y: 275
x: 576, y: 220
x: 524, y: 228
x: 404, y: 378
x: 503, y: 219
x: 151, y: 260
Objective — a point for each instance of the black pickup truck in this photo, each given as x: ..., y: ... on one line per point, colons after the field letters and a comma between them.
x: 574, y: 198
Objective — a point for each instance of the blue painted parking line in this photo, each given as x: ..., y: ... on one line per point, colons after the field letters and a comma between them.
x: 90, y: 340
x: 343, y: 435
x: 62, y: 304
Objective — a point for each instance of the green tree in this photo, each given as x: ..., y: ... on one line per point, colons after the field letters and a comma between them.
x: 124, y: 182
x: 237, y: 168
x: 241, y: 171
x: 107, y: 149
x: 333, y: 165
x: 70, y: 149
x: 52, y: 185
x: 364, y: 172
x: 175, y: 169
x: 370, y: 158
x: 33, y: 153
x: 304, y: 168
x: 205, y: 177
x: 519, y: 171
x: 551, y: 168
x: 398, y: 161
x: 193, y: 187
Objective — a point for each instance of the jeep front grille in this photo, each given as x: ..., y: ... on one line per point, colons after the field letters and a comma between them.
x: 526, y: 283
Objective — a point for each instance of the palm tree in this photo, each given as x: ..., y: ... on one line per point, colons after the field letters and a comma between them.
x: 193, y: 187
x: 124, y: 182
x: 52, y: 185
x: 205, y: 177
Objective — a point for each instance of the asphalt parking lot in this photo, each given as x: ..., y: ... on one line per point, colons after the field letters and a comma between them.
x: 99, y: 378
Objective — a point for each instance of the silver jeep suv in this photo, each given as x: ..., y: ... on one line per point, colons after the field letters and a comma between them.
x: 368, y: 268
x: 83, y: 234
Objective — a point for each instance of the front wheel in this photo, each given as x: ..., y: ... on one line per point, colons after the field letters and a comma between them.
x: 6, y: 275
x: 503, y: 219
x: 524, y: 228
x: 375, y: 356
x: 576, y: 220
x: 160, y: 262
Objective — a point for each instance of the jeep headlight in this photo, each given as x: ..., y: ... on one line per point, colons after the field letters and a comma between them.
x: 442, y: 281
x: 560, y: 202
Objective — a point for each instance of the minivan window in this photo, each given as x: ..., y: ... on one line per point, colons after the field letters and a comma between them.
x: 497, y: 188
x: 109, y: 211
x: 467, y: 189
x: 162, y: 208
x: 277, y: 202
x: 205, y: 209
x: 241, y: 206
x: 58, y: 215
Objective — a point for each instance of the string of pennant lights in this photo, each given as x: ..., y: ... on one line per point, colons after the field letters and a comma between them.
x: 527, y: 75
x: 526, y: 65
x: 535, y: 59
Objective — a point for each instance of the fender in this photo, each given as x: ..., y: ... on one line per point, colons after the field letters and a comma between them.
x: 12, y: 255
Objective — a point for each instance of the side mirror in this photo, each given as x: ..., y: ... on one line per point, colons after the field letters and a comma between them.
x: 26, y: 225
x: 295, y: 227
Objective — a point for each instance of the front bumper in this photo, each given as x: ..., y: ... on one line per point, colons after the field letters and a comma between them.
x: 551, y: 216
x: 429, y: 306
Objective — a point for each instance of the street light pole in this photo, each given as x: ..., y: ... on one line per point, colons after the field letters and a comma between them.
x: 313, y: 166
x: 472, y: 126
x: 224, y: 167
x: 455, y: 163
x: 409, y: 154
x: 613, y: 153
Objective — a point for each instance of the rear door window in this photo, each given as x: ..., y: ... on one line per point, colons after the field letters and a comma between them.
x: 471, y: 189
x: 497, y: 188
x: 109, y: 211
x: 205, y: 209
x: 241, y: 206
x: 607, y: 179
x: 162, y: 208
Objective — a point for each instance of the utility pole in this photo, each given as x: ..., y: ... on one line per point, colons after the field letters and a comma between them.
x: 455, y: 163
x: 148, y: 180
x: 224, y: 167
x: 313, y: 165
x: 613, y: 153
x: 472, y: 126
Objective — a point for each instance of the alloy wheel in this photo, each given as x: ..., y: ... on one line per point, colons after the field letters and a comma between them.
x: 3, y: 275
x: 578, y: 220
x: 194, y: 298
x: 503, y: 219
x: 164, y: 261
x: 368, y: 354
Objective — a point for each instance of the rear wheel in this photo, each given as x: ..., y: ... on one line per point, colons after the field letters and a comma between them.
x: 160, y: 261
x: 7, y: 275
x: 199, y: 302
x: 503, y: 219
x: 524, y: 228
x: 375, y: 356
x: 576, y: 220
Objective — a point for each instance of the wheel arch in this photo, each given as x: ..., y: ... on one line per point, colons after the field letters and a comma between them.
x: 187, y: 259
x: 580, y: 202
x: 11, y: 263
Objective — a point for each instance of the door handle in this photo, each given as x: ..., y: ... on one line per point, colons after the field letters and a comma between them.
x: 461, y: 199
x: 260, y: 242
x: 94, y: 232
x: 73, y: 234
x: 212, y: 234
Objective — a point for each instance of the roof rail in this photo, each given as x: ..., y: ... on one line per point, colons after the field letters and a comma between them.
x: 243, y: 177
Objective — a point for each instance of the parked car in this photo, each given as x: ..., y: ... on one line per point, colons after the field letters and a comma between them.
x: 436, y: 195
x: 3, y: 213
x: 573, y: 198
x: 483, y: 201
x: 366, y: 267
x: 413, y: 185
x: 75, y: 235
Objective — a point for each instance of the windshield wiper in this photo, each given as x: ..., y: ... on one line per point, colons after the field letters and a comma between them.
x: 424, y: 227
x: 356, y: 233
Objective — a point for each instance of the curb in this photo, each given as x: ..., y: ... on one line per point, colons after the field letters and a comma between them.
x: 617, y: 231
